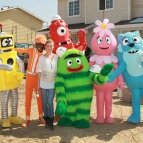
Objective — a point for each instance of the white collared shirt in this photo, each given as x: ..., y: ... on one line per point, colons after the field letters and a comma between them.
x: 48, y: 69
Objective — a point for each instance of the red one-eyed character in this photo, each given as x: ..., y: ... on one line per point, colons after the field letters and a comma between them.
x: 60, y: 34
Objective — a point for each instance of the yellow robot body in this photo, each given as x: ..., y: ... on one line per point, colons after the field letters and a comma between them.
x: 9, y: 79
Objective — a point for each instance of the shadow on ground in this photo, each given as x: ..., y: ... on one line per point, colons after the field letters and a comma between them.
x: 103, y: 132
x: 122, y: 103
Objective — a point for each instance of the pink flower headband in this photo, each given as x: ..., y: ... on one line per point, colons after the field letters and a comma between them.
x: 103, y: 27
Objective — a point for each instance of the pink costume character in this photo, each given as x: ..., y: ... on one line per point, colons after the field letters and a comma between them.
x: 103, y: 45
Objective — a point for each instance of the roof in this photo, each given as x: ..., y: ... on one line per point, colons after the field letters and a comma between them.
x: 135, y: 20
x: 72, y: 26
x: 17, y: 7
x: 78, y: 25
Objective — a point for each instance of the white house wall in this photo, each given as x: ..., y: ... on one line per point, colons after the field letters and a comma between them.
x: 138, y: 8
x: 118, y: 13
x: 92, y: 12
x: 63, y: 12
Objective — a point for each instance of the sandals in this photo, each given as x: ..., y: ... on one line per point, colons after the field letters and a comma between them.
x: 42, y: 121
x: 26, y: 124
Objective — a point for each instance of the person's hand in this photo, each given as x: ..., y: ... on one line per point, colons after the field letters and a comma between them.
x: 38, y: 90
x: 61, y: 108
x: 60, y: 51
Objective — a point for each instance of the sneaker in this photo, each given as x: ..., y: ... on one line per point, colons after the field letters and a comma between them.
x: 16, y: 120
x: 5, y: 123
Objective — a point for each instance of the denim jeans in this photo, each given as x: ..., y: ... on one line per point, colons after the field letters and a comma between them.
x: 47, y: 98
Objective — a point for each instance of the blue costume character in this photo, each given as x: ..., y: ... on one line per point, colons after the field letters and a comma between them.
x: 130, y: 55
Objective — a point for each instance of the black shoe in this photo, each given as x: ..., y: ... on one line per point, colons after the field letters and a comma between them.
x: 51, y: 126
x: 49, y: 123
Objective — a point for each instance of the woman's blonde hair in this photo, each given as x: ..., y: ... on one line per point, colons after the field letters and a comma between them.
x: 49, y: 41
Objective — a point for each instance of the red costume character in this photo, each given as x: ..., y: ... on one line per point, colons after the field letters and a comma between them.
x: 60, y: 34
x: 32, y: 76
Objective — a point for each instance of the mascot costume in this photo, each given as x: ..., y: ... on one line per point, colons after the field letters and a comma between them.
x: 130, y: 55
x: 74, y: 88
x: 32, y: 77
x: 60, y: 34
x: 11, y: 72
x: 104, y: 45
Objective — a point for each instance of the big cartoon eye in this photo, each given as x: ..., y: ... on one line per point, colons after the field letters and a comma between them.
x: 4, y: 42
x: 125, y: 41
x: 108, y: 40
x: 7, y: 42
x: 61, y: 31
x: 136, y: 40
x: 10, y: 41
x: 78, y: 61
x: 99, y: 40
x: 69, y: 63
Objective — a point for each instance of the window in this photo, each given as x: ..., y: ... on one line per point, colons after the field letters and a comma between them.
x: 109, y: 4
x: 73, y: 7
x: 105, y: 4
x: 101, y: 4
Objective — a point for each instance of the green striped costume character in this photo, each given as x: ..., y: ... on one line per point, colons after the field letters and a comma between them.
x: 74, y: 88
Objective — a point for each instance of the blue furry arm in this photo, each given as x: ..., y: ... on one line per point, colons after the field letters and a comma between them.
x: 117, y: 72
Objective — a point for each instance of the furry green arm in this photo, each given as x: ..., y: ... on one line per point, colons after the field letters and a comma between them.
x: 60, y: 95
x: 102, y: 77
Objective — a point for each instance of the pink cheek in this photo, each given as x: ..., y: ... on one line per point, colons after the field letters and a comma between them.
x: 112, y: 47
x: 96, y: 49
x: 99, y: 50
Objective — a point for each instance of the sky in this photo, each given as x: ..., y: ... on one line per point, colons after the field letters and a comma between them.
x: 44, y: 9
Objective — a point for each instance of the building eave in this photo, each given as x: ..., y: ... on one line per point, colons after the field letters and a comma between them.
x: 17, y: 7
x: 73, y: 27
x: 132, y: 24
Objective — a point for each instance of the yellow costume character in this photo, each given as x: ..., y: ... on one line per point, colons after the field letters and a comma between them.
x: 11, y: 74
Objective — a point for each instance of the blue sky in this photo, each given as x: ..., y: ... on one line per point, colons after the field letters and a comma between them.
x: 45, y: 9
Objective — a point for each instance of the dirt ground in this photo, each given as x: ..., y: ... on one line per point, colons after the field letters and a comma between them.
x: 120, y: 132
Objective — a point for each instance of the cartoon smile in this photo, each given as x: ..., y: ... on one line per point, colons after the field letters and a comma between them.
x: 104, y: 48
x: 133, y: 51
x: 75, y: 69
